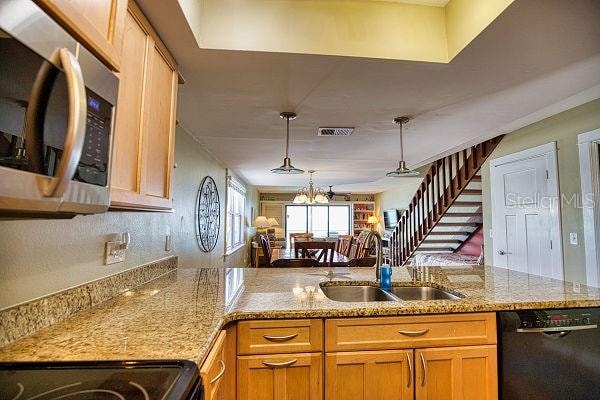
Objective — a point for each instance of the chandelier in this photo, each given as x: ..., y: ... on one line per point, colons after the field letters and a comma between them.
x: 311, y: 195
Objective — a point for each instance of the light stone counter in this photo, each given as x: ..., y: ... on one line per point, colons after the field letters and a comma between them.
x: 179, y: 315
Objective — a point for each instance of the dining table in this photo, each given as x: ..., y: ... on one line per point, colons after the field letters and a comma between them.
x: 339, y: 260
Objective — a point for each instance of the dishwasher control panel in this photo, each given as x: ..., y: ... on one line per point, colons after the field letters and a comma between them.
x: 555, y: 318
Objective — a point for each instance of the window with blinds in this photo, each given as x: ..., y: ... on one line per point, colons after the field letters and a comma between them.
x: 235, y: 224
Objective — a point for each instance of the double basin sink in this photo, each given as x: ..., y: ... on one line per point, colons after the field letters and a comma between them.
x: 358, y: 293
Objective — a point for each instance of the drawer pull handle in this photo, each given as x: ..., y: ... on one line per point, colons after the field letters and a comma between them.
x: 220, y: 374
x: 424, y: 370
x: 414, y: 333
x: 408, y: 357
x: 280, y: 338
x: 280, y: 364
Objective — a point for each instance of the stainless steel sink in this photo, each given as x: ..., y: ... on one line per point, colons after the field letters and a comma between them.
x: 357, y: 293
x: 422, y: 293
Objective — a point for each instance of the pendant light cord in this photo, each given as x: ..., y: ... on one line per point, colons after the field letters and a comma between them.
x: 287, y: 136
x: 401, y: 144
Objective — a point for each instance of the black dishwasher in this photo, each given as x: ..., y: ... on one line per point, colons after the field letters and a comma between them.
x: 550, y: 354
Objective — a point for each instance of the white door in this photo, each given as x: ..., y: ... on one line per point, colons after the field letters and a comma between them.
x: 589, y: 166
x: 526, y: 212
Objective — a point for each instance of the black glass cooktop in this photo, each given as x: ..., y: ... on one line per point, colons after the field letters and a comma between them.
x: 99, y: 380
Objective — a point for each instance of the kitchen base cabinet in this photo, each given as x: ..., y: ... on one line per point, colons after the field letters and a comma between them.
x: 214, y: 368
x: 366, y: 375
x: 295, y: 376
x: 415, y: 357
x: 457, y: 373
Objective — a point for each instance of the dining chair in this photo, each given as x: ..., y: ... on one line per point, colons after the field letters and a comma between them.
x: 302, y: 249
x: 266, y: 248
x: 362, y: 247
x: 295, y: 263
x: 305, y: 235
x: 344, y: 244
x: 363, y: 262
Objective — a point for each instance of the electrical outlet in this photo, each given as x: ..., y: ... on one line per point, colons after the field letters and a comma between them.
x: 114, y: 253
x: 576, y: 287
x: 573, y: 238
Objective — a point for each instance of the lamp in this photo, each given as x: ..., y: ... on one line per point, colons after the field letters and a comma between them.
x: 310, y: 195
x: 372, y: 220
x: 287, y: 167
x: 261, y: 222
x: 402, y: 171
x: 272, y: 222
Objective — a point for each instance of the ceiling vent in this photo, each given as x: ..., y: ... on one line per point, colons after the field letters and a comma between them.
x: 335, y: 131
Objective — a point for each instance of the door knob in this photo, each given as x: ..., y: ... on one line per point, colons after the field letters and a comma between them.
x: 502, y: 252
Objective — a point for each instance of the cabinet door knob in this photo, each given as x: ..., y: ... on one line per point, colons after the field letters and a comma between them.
x: 280, y: 364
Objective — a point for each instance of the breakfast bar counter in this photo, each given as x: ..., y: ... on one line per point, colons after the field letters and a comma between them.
x: 180, y: 314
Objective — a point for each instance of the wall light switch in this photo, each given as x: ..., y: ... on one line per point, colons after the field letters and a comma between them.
x: 573, y: 238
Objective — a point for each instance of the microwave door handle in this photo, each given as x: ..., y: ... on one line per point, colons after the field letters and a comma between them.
x: 76, y: 123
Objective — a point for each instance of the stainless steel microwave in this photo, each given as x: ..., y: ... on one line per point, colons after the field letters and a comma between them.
x: 57, y: 109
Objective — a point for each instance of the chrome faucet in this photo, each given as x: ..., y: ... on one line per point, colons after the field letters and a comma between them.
x: 373, y: 235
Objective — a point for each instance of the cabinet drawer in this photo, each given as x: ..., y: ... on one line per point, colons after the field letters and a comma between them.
x: 383, y: 333
x: 214, y: 368
x: 280, y: 336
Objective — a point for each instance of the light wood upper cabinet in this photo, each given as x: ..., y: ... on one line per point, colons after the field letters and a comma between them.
x: 142, y: 166
x: 98, y: 24
x: 367, y: 375
x: 280, y: 377
x: 457, y: 373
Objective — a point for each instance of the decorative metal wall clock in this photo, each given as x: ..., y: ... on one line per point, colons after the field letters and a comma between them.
x: 208, y: 215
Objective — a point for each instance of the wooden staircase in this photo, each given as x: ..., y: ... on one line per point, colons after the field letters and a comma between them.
x: 446, y: 209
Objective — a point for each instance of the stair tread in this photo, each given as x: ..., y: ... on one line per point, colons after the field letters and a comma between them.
x: 450, y: 233
x: 476, y: 178
x: 466, y: 204
x: 463, y: 214
x: 441, y: 241
x: 442, y: 224
x: 472, y: 191
x: 440, y: 249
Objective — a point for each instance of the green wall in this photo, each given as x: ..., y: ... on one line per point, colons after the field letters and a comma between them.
x: 563, y: 129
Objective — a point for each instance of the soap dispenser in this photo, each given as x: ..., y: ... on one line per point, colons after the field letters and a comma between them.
x: 385, y: 277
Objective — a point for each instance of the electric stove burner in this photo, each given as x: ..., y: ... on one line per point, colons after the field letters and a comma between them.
x: 99, y: 380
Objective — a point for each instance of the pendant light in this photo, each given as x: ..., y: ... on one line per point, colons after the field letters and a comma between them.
x: 287, y: 167
x: 402, y: 171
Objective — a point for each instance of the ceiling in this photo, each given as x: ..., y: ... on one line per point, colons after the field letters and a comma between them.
x: 539, y: 57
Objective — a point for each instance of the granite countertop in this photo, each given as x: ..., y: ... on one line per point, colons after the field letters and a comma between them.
x: 179, y: 315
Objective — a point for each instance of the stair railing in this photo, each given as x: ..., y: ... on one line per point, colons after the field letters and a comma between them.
x: 444, y: 182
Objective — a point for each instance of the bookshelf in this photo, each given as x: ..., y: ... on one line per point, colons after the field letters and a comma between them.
x: 361, y: 211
